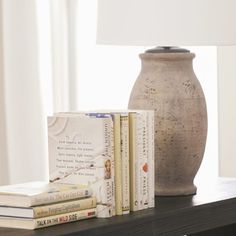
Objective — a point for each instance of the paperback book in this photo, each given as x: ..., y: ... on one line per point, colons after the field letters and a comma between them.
x: 27, y: 223
x: 125, y: 163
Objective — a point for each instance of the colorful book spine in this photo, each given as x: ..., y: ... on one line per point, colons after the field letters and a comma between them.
x: 151, y: 160
x: 64, y: 207
x: 125, y: 163
x: 135, y: 170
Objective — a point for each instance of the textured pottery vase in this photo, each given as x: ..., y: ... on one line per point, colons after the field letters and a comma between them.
x: 168, y: 85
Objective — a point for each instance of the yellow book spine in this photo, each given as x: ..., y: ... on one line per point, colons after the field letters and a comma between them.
x: 64, y: 207
x: 125, y: 163
x: 134, y: 164
x: 118, y: 173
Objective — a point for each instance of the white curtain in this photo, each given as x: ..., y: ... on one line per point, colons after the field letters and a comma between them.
x: 33, y: 83
x: 38, y: 76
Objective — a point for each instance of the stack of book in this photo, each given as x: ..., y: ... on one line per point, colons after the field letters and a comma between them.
x: 35, y: 205
x: 110, y: 151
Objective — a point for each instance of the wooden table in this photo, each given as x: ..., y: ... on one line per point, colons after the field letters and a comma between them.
x: 212, y: 211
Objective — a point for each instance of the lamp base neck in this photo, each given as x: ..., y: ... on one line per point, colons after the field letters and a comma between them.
x: 166, y: 49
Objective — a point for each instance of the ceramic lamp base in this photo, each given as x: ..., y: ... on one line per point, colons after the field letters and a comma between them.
x: 168, y: 85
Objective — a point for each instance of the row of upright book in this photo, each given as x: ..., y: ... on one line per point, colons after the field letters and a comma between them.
x: 101, y: 164
x: 110, y: 151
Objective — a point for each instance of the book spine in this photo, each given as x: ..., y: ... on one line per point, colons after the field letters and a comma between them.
x: 53, y: 197
x: 144, y: 162
x: 134, y: 163
x: 139, y: 159
x: 112, y: 156
x: 106, y: 205
x: 64, y: 207
x: 125, y: 164
x: 118, y: 174
x: 64, y: 218
x: 151, y: 160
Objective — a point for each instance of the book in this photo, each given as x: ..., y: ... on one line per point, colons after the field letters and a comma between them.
x: 117, y: 159
x: 146, y: 157
x: 144, y: 160
x: 151, y: 160
x: 117, y: 156
x: 116, y: 117
x: 125, y: 162
x: 50, y: 209
x: 81, y: 150
x: 139, y: 156
x: 40, y: 192
x: 27, y: 223
x: 135, y: 141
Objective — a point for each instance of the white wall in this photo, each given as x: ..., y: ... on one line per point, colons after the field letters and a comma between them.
x: 3, y: 142
x: 227, y: 110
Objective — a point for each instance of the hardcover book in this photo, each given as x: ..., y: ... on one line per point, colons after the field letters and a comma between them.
x: 81, y: 150
x: 118, y: 174
x: 135, y: 141
x: 49, y: 209
x: 125, y: 163
x: 27, y: 223
x: 151, y: 160
x: 141, y: 159
x: 116, y: 117
x: 144, y: 161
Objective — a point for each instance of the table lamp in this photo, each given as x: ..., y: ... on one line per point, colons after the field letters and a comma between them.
x: 167, y: 83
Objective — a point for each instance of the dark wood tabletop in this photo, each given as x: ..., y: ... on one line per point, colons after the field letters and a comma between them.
x: 212, y: 211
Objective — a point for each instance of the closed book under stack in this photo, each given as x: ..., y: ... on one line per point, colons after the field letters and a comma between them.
x: 35, y: 205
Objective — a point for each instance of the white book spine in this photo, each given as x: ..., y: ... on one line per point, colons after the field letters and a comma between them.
x: 151, y: 160
x: 144, y: 162
x: 133, y: 162
x: 125, y: 164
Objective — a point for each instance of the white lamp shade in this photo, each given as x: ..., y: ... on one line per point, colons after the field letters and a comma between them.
x: 166, y: 22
